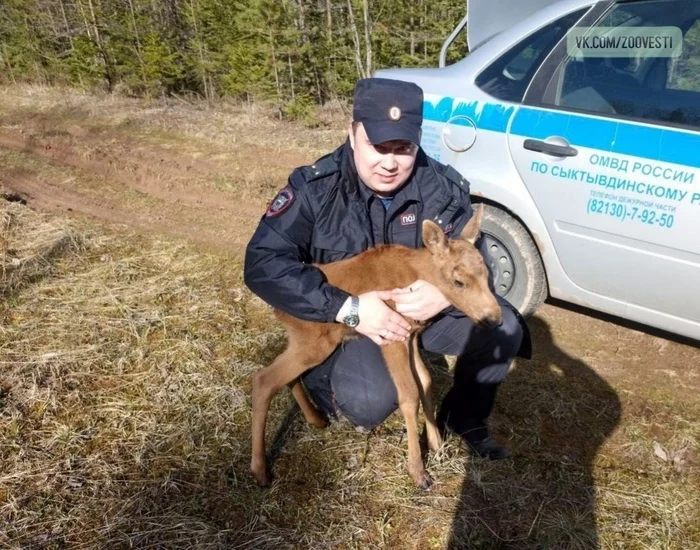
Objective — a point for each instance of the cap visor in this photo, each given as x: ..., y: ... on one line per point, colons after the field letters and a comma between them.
x: 380, y: 132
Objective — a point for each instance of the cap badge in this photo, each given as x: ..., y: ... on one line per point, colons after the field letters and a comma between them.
x: 394, y: 113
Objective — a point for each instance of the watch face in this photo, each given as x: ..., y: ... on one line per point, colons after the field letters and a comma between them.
x: 352, y: 321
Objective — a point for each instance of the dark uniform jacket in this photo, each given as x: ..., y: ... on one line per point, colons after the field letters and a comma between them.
x: 325, y: 214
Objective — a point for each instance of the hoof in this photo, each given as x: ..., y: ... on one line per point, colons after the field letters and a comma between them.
x: 261, y: 477
x: 425, y: 483
x: 421, y: 479
x: 320, y: 424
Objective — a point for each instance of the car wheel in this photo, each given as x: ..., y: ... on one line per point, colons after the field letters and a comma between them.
x: 518, y: 272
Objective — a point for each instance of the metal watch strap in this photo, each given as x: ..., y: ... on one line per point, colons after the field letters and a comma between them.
x: 354, y: 305
x: 352, y: 319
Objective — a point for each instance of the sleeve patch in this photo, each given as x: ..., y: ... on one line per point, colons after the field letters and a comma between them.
x: 280, y: 203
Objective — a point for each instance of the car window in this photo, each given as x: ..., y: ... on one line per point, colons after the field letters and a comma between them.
x: 507, y: 78
x: 654, y: 89
x: 684, y: 71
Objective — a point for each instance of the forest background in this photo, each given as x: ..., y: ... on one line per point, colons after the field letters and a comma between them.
x: 294, y: 53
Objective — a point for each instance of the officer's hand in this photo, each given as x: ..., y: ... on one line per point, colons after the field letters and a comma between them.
x: 378, y: 321
x: 420, y: 300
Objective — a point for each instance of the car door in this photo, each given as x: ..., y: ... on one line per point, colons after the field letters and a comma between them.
x: 609, y: 149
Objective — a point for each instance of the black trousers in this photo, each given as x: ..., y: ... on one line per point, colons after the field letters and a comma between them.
x: 355, y: 380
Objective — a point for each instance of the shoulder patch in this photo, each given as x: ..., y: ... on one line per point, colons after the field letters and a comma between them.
x: 281, y: 202
x: 321, y: 168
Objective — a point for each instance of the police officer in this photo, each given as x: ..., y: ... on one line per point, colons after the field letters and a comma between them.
x: 375, y: 189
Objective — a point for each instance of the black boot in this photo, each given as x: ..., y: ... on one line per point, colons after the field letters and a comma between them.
x: 488, y: 448
x: 475, y: 434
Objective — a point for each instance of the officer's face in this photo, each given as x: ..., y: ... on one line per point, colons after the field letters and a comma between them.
x: 385, y: 167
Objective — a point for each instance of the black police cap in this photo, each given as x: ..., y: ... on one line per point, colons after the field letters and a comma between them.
x: 389, y: 109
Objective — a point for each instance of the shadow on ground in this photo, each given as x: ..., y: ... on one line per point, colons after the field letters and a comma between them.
x: 554, y: 412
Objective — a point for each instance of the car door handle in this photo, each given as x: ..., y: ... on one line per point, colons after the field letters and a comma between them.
x: 550, y: 148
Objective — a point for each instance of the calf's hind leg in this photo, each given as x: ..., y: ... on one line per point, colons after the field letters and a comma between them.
x: 397, y: 360
x: 425, y: 387
x: 311, y: 413
x: 291, y: 363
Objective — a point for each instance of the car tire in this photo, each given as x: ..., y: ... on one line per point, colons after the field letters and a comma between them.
x: 519, y: 275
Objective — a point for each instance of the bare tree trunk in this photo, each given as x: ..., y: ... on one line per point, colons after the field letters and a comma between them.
x: 65, y: 21
x: 302, y: 40
x: 319, y: 96
x: 277, y: 75
x: 329, y: 42
x: 329, y: 22
x: 356, y: 40
x: 368, y: 40
x: 136, y: 33
x: 302, y: 22
x: 105, y: 58
x: 94, y: 23
x: 85, y: 21
x: 413, y: 39
x: 424, y: 22
x: 291, y: 75
x: 207, y: 94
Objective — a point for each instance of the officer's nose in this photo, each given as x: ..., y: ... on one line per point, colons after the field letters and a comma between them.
x: 389, y: 163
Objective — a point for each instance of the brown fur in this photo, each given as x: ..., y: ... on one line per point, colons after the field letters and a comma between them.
x: 441, y: 263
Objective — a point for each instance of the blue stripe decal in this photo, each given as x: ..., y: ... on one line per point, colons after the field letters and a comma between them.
x: 680, y: 148
x: 591, y: 132
x: 625, y: 138
x: 640, y: 141
x: 487, y: 116
x: 539, y: 124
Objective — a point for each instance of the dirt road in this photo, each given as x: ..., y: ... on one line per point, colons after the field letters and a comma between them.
x: 150, y: 189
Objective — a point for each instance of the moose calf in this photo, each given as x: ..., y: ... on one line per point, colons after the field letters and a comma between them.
x: 454, y: 266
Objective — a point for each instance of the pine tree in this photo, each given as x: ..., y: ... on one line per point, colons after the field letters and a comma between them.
x: 292, y: 52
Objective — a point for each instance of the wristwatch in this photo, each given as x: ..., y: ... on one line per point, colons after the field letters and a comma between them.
x: 352, y: 319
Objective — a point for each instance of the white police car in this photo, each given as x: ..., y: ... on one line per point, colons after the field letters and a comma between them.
x: 589, y: 166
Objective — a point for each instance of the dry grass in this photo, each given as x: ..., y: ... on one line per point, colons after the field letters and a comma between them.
x: 123, y: 402
x: 125, y: 423
x: 125, y: 414
x: 27, y: 249
x: 192, y: 126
